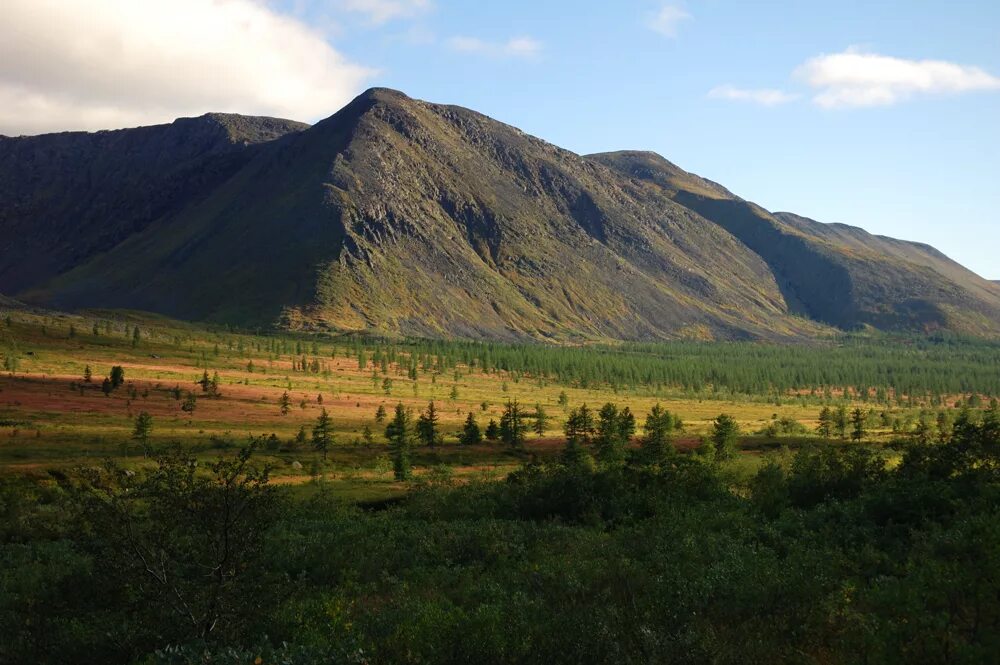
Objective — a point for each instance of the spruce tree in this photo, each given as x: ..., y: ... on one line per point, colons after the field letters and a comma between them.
x: 657, y: 443
x: 825, y: 428
x: 427, y: 426
x: 471, y: 435
x: 840, y: 421
x: 399, y: 432
x: 541, y: 420
x: 322, y: 434
x: 512, y: 425
x: 141, y: 431
x: 858, y: 421
x: 117, y: 377
x: 725, y: 433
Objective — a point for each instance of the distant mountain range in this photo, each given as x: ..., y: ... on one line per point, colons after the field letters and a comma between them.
x: 400, y: 216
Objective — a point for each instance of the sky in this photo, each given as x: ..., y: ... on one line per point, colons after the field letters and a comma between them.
x: 884, y: 115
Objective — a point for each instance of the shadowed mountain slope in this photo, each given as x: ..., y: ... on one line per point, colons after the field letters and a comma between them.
x: 834, y: 273
x: 401, y: 216
x: 69, y: 196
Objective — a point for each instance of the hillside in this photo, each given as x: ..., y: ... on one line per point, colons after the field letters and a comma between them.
x: 405, y: 217
x: 834, y: 273
x: 69, y: 196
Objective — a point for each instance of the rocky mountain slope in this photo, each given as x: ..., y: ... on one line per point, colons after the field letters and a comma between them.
x: 402, y: 216
x: 834, y: 273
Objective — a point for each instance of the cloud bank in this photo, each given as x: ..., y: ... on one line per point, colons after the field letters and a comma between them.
x: 95, y: 64
x: 378, y: 12
x: 667, y: 19
x: 856, y: 79
x: 760, y: 96
x: 516, y: 47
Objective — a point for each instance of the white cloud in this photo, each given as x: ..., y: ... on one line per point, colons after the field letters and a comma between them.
x: 93, y: 64
x: 378, y: 12
x: 855, y: 78
x: 516, y: 47
x: 761, y: 96
x: 666, y: 20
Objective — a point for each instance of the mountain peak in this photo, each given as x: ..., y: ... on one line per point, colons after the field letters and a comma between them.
x: 384, y: 95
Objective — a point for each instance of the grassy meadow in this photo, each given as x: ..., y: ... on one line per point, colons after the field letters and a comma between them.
x: 52, y: 418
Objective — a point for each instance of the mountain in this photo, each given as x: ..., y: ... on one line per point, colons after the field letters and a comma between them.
x: 834, y: 273
x: 402, y: 216
x: 68, y: 197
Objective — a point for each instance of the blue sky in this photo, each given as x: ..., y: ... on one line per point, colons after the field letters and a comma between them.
x: 884, y: 115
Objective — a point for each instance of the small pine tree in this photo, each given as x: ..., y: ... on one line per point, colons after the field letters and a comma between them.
x: 825, y: 428
x: 143, y: 428
x: 399, y: 432
x: 840, y: 421
x: 117, y: 377
x: 657, y: 444
x: 380, y: 414
x: 512, y: 425
x: 541, y: 420
x: 427, y: 426
x: 322, y: 434
x: 471, y: 434
x: 725, y: 433
x: 858, y: 421
x: 88, y: 375
x: 285, y: 403
x: 492, y: 431
x: 136, y: 336
x: 189, y: 403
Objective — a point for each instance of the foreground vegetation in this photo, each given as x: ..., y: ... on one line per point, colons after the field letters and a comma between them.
x: 176, y: 494
x: 827, y: 556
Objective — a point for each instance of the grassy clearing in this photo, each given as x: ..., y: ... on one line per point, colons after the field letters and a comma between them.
x: 51, y: 418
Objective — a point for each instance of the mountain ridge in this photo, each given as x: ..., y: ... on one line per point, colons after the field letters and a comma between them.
x: 396, y: 215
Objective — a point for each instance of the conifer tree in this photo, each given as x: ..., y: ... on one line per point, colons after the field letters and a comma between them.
x: 141, y: 431
x: 512, y: 425
x: 399, y: 432
x: 840, y: 421
x: 858, y: 421
x: 427, y: 426
x: 322, y: 434
x: 541, y: 420
x: 471, y: 435
x: 825, y: 428
x: 725, y: 433
x: 657, y: 443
